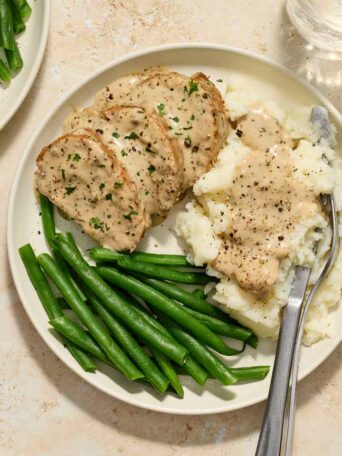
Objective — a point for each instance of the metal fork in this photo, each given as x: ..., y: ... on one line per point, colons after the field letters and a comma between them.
x: 272, y: 427
x: 290, y: 337
x: 318, y: 114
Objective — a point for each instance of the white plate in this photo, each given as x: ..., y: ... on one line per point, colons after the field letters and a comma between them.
x: 32, y: 43
x: 24, y: 223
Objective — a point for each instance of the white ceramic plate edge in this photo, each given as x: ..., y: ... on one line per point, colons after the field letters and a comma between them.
x: 34, y: 69
x: 18, y: 284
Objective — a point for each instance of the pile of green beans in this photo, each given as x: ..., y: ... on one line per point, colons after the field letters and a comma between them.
x: 133, y: 317
x: 13, y: 15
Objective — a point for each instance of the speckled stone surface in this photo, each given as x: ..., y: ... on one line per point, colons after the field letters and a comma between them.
x: 45, y: 409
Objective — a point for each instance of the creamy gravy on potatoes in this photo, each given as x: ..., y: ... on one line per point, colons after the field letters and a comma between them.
x: 256, y: 214
x: 265, y: 204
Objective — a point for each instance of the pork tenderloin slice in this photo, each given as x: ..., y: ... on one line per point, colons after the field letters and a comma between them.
x: 82, y: 177
x: 139, y: 139
x: 192, y: 108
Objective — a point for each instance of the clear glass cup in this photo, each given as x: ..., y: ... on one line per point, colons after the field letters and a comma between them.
x: 319, y: 21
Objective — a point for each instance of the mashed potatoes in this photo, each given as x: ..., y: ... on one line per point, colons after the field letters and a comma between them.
x: 208, y: 218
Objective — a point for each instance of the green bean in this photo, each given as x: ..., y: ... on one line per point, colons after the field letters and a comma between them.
x: 250, y: 373
x: 169, y: 371
x: 24, y: 9
x: 7, y: 40
x: 50, y: 304
x: 164, y: 364
x: 50, y: 236
x: 48, y: 221
x: 103, y: 254
x: 195, y: 370
x: 82, y: 358
x: 191, y: 366
x: 253, y: 341
x: 18, y: 23
x: 14, y: 59
x: 5, y: 74
x: 112, y: 350
x: 39, y: 282
x: 62, y: 302
x: 78, y: 336
x: 153, y: 270
x: 130, y: 345
x: 167, y: 306
x: 200, y: 353
x: 221, y: 327
x: 115, y: 304
x: 185, y: 297
x: 199, y: 293
x: 241, y: 373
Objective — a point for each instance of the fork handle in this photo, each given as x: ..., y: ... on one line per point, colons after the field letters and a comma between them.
x: 270, y: 438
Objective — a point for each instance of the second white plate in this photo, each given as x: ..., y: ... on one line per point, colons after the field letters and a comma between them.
x: 32, y: 44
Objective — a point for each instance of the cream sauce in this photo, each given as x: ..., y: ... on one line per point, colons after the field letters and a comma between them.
x: 265, y: 204
x: 260, y: 131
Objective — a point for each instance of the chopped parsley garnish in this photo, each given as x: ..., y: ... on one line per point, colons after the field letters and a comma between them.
x: 175, y: 119
x: 115, y: 134
x: 74, y: 157
x: 96, y: 223
x: 123, y: 153
x: 169, y: 127
x: 219, y: 80
x: 193, y: 117
x: 99, y: 165
x: 69, y: 190
x: 108, y: 196
x: 130, y: 214
x: 118, y: 184
x: 151, y: 169
x: 132, y: 135
x: 161, y: 109
x: 63, y: 174
x: 193, y: 87
x: 102, y: 186
x: 148, y: 149
x: 187, y: 128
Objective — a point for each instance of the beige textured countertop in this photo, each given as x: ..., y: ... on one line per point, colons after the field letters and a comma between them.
x: 45, y: 409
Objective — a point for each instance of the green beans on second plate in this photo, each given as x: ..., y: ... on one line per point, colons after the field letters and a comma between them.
x: 112, y: 350
x: 167, y: 307
x: 165, y: 273
x: 6, y: 26
x: 115, y: 304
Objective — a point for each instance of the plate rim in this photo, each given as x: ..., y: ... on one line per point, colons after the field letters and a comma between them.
x: 34, y: 68
x: 15, y: 183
